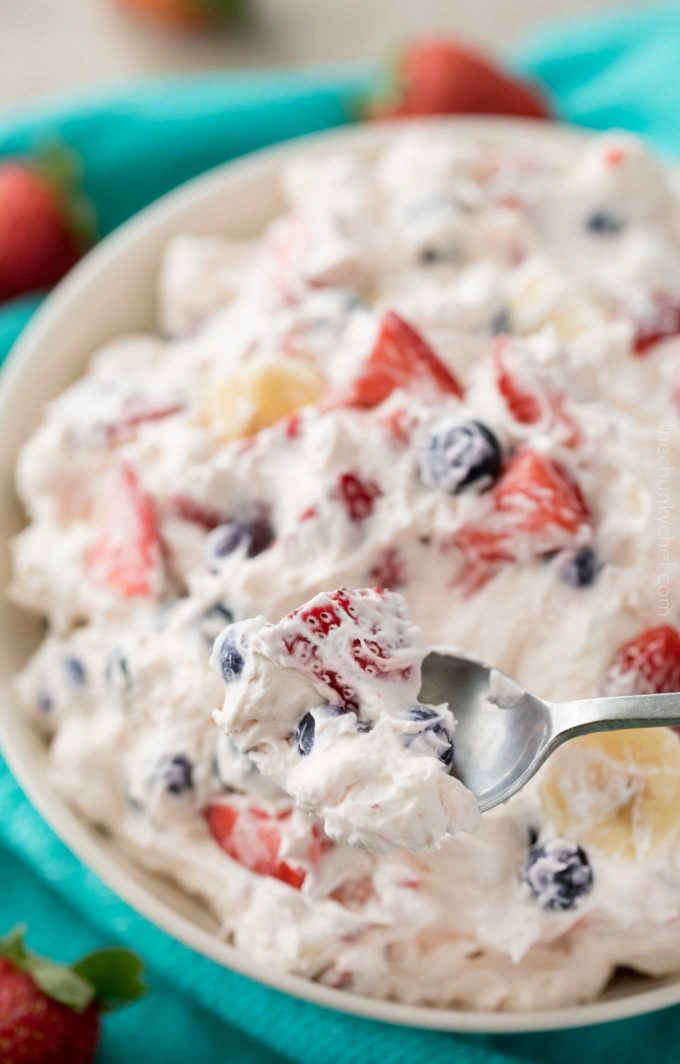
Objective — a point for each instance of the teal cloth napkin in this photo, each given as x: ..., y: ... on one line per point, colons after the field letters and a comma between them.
x: 618, y: 69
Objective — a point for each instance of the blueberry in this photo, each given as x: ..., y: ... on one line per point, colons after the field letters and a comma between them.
x: 340, y: 711
x: 501, y: 322
x: 304, y: 735
x: 421, y: 713
x: 459, y: 454
x: 580, y: 568
x: 231, y: 659
x: 433, y: 256
x: 558, y: 874
x: 45, y: 701
x: 212, y: 622
x: 75, y: 671
x: 117, y: 671
x: 176, y: 773
x: 605, y: 223
x: 433, y: 738
x: 254, y: 536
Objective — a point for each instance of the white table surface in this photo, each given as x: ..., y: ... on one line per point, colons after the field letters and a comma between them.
x: 51, y: 47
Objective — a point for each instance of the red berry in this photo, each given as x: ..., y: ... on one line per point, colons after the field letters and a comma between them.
x: 37, y: 242
x: 358, y: 496
x: 400, y: 358
x: 524, y: 407
x: 252, y: 837
x: 537, y: 508
x: 195, y: 513
x: 536, y: 493
x: 654, y: 319
x: 354, y: 893
x: 35, y: 1029
x: 443, y: 76
x: 648, y: 664
x: 127, y: 556
x: 139, y: 413
x: 389, y: 570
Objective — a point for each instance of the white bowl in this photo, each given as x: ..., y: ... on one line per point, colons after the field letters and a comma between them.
x: 112, y: 292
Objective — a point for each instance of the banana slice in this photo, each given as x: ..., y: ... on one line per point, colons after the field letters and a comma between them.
x: 618, y: 792
x: 259, y: 394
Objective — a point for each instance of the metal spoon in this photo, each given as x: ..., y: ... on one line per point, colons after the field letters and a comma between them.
x: 500, y: 745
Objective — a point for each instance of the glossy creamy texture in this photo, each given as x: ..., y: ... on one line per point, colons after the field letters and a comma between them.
x: 462, y: 242
x: 361, y: 752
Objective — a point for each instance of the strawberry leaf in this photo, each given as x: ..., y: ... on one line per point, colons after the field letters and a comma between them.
x: 62, y: 168
x: 58, y: 981
x: 116, y: 976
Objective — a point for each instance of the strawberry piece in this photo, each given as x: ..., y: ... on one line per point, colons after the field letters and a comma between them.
x: 252, y: 837
x: 320, y: 619
x: 195, y: 513
x: 443, y: 76
x: 524, y: 407
x: 127, y: 554
x: 400, y: 358
x: 654, y: 319
x: 537, y: 494
x: 537, y: 508
x: 648, y: 664
x: 399, y: 424
x: 389, y: 570
x: 358, y: 496
x: 354, y: 893
x: 41, y: 235
x: 140, y: 414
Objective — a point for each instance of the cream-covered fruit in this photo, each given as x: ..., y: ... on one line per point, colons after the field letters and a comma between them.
x: 325, y: 703
x: 451, y: 372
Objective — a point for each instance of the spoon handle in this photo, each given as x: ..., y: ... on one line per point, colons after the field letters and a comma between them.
x: 608, y: 714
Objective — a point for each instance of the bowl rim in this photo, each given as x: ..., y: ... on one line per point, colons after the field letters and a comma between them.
x: 90, y: 846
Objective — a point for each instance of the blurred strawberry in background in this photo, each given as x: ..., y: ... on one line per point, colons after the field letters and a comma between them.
x: 187, y: 14
x: 50, y: 1013
x: 46, y: 221
x: 439, y: 76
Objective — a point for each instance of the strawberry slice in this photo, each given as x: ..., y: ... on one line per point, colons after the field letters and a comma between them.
x: 654, y: 319
x: 648, y: 664
x: 524, y: 407
x: 127, y: 554
x: 252, y: 836
x: 196, y: 513
x: 537, y: 494
x: 358, y: 496
x: 137, y: 413
x: 537, y: 508
x: 527, y: 407
x: 400, y: 358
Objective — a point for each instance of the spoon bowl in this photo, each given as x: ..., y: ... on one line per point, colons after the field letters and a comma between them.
x: 504, y: 734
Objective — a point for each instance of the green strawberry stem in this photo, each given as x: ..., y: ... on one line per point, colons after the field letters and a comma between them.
x: 62, y: 168
x: 108, y: 977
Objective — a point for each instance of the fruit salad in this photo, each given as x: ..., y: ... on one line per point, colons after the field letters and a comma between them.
x: 434, y: 403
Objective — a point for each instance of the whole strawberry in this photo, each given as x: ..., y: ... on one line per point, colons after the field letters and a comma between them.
x: 46, y: 223
x: 49, y: 1013
x: 442, y: 76
x: 187, y: 14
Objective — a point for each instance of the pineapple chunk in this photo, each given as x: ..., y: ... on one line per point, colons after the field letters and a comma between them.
x: 617, y: 792
x: 259, y: 394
